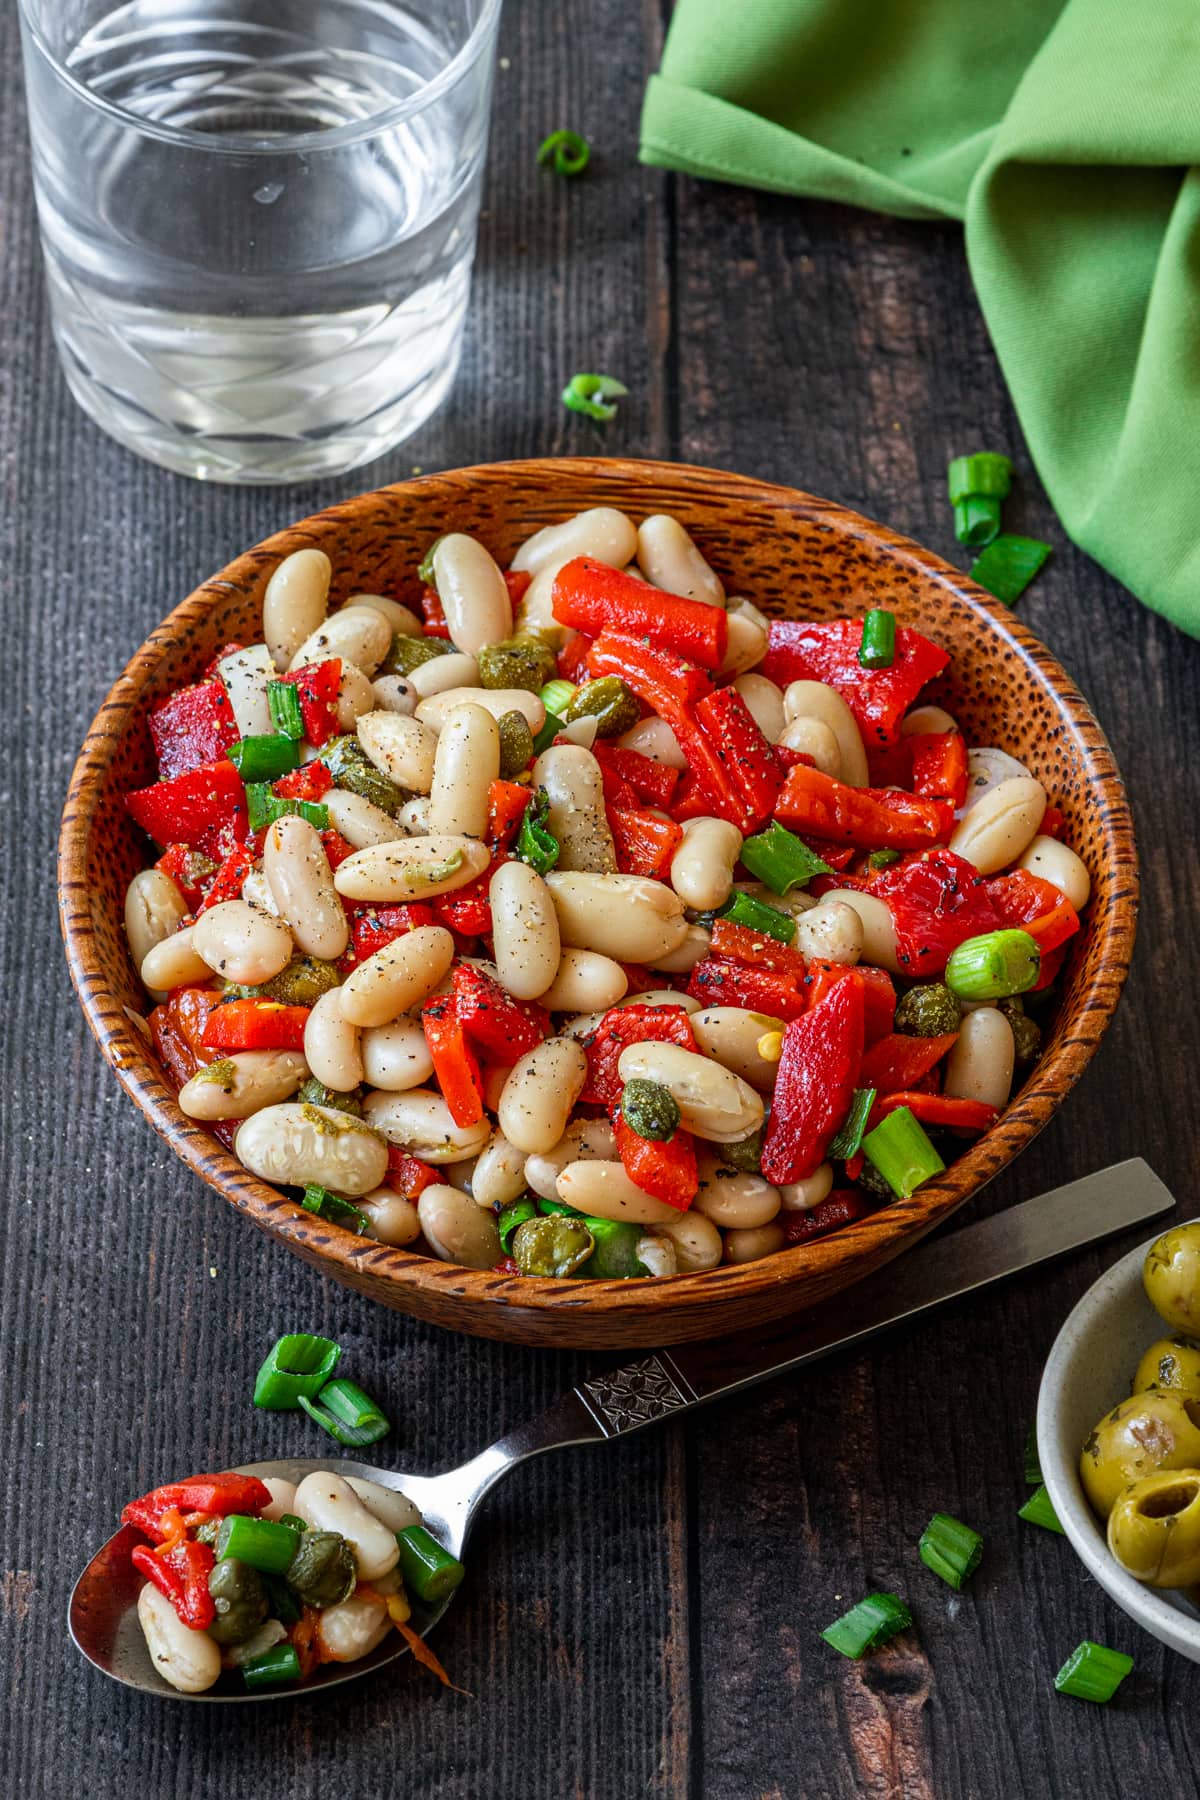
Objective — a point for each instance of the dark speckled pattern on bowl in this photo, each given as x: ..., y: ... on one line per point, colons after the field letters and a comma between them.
x: 792, y: 555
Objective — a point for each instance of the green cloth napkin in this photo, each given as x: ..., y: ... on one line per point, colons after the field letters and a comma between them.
x: 1064, y: 133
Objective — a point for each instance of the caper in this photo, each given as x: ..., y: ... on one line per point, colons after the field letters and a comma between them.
x: 303, y: 982
x: 315, y: 1093
x: 516, y: 745
x: 650, y: 1109
x: 554, y: 1245
x: 323, y: 1570
x: 353, y: 769
x: 408, y: 652
x: 872, y: 1182
x: 746, y: 1154
x: 615, y: 707
x: 1027, y: 1033
x: 240, y: 1598
x: 523, y: 661
x: 928, y: 1010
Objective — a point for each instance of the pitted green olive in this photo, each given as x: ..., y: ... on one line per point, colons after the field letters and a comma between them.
x: 1172, y: 1278
x: 1153, y: 1431
x: 1154, y: 1528
x: 1169, y: 1363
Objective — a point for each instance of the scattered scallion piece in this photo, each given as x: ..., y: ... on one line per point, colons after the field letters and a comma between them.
x: 283, y: 704
x: 557, y: 695
x: 535, y: 845
x: 878, y: 647
x: 780, y: 860
x: 882, y: 859
x: 977, y: 485
x: 332, y: 1207
x: 868, y: 1625
x: 297, y: 1364
x: 565, y: 151
x: 900, y: 1150
x: 273, y: 1666
x: 593, y: 395
x: 295, y: 1521
x: 264, y: 807
x: 1008, y: 565
x: 425, y: 566
x: 1038, y: 1510
x: 264, y: 758
x: 261, y: 1543
x: 1033, y: 1466
x: 429, y: 1571
x: 849, y: 1138
x: 994, y: 965
x: 1093, y: 1672
x: 546, y: 736
x: 756, y: 915
x: 950, y: 1548
x: 977, y: 521
x: 347, y: 1414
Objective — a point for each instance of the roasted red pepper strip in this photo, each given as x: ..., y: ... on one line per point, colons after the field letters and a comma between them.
x: 194, y: 725
x: 336, y: 848
x: 572, y: 658
x: 879, y: 996
x: 751, y: 767
x: 644, y: 843
x: 507, y: 803
x: 517, y: 582
x: 501, y: 1027
x: 665, y: 682
x: 898, y: 1061
x: 408, y: 1175
x: 936, y: 901
x: 814, y: 1085
x: 467, y: 910
x: 939, y: 765
x: 227, y: 883
x: 937, y: 1109
x: 311, y: 782
x: 1035, y: 905
x: 625, y: 1025
x: 177, y: 1029
x: 216, y: 1494
x: 715, y: 982
x: 317, y: 687
x: 871, y: 818
x: 453, y: 1062
x: 182, y: 1575
x: 803, y: 650
x: 256, y: 1025
x: 590, y: 596
x: 371, y: 927
x: 738, y: 943
x: 652, y: 782
x: 189, y: 870
x: 204, y: 808
x: 840, y: 1208
x: 434, y: 616
x: 667, y: 1169
x: 1054, y: 824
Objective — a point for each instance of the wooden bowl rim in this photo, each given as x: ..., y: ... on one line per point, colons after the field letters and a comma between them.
x: 874, y: 1239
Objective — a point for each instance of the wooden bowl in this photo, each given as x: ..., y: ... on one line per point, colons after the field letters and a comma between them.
x: 793, y: 555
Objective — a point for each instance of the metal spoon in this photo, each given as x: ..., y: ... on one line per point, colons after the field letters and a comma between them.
x: 662, y: 1384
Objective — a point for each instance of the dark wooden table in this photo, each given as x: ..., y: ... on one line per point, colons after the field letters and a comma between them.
x: 641, y: 1620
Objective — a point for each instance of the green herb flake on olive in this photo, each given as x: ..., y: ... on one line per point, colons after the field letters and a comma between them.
x: 650, y: 1109
x: 323, y: 1570
x: 614, y: 706
x: 928, y: 1010
x: 555, y: 1245
x: 1169, y: 1363
x: 516, y: 745
x: 1171, y: 1277
x: 523, y: 661
x: 240, y: 1599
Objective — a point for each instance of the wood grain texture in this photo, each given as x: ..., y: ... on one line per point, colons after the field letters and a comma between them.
x: 641, y: 1619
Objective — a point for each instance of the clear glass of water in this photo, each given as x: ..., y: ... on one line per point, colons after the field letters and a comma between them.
x: 258, y: 219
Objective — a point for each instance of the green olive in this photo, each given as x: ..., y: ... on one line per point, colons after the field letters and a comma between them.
x: 615, y: 706
x: 408, y: 653
x: 1172, y: 1278
x: 1159, y: 1430
x: 1170, y: 1363
x: 240, y: 1598
x: 523, y: 661
x: 516, y: 745
x: 1154, y: 1528
x: 551, y: 1246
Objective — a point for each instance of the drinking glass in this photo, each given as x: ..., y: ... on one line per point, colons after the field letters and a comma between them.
x: 258, y: 219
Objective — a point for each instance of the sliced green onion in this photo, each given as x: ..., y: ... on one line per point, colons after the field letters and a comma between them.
x: 261, y: 1543
x: 994, y: 965
x: 273, y: 1666
x: 901, y: 1151
x: 976, y: 520
x: 332, y: 1207
x: 987, y: 472
x: 565, y: 151
x: 1038, y: 1510
x: 1033, y: 1466
x: 429, y: 1571
x: 264, y: 807
x: 882, y: 859
x: 548, y: 1207
x: 283, y: 704
x: 535, y: 845
x: 950, y: 1548
x: 756, y: 915
x: 295, y: 1521
x: 297, y: 1364
x: 347, y: 1414
x: 283, y: 1603
x: 592, y: 394
x: 780, y: 860
x: 849, y: 1138
x: 425, y: 566
x: 546, y: 736
x: 557, y: 695
x: 1093, y: 1672
x: 878, y: 647
x: 514, y: 1214
x: 264, y: 758
x: 1008, y: 565
x: 871, y: 1623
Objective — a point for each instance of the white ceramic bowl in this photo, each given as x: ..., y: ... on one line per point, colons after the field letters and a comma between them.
x: 1087, y: 1372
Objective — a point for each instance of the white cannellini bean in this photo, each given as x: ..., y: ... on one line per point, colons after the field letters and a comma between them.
x: 815, y: 739
x: 817, y: 700
x: 731, y: 1199
x: 189, y: 1660
x: 353, y: 1627
x: 419, y: 1121
x: 245, y: 674
x: 295, y: 602
x: 465, y: 764
x: 980, y: 1064
x: 540, y: 1093
x: 154, y: 908
x: 654, y: 738
x: 627, y: 917
x: 582, y: 732
x: 173, y: 963
x: 601, y: 532
x: 283, y: 1498
x: 332, y: 1047
x: 604, y: 1191
x: 270, y: 1633
x: 241, y: 944
x: 473, y: 593
x: 584, y: 982
x: 235, y: 1086
x: 752, y: 1242
x: 400, y: 975
x: 927, y: 719
x: 256, y: 892
x: 696, y: 1239
x: 879, y: 928
x: 396, y: 1056
x: 360, y: 821
x: 357, y: 634
x: 524, y: 931
x: 403, y: 621
x: 403, y: 749
x: 831, y: 931
x: 656, y: 1255
x: 987, y: 767
x: 660, y: 997
x: 297, y: 1145
x: 713, y: 1102
x: 441, y: 674
x: 461, y: 1175
x: 731, y: 1036
x: 392, y: 1217
x: 355, y: 697
x: 702, y: 867
x: 328, y: 1503
x: 802, y: 1196
x: 411, y: 868
x: 765, y: 703
x: 667, y: 556
x: 413, y: 816
x: 389, y: 1505
x: 457, y: 1230
x: 535, y: 613
x: 1000, y: 826
x: 498, y: 701
x: 692, y: 948
x: 577, y: 819
x: 584, y: 1140
x: 301, y: 883
x: 395, y: 693
x: 1058, y: 864
x: 499, y: 1173
x: 749, y: 637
